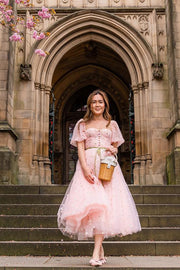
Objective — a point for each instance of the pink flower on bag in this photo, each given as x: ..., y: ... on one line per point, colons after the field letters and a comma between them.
x: 44, y: 13
x: 15, y: 37
x: 17, y: 1
x: 40, y: 52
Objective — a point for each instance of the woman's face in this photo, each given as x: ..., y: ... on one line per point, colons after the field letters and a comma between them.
x: 97, y: 105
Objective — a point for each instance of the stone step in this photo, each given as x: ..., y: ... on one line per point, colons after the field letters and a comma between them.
x: 77, y: 248
x: 59, y: 189
x: 57, y: 199
x: 50, y: 221
x: 70, y: 263
x: 51, y: 209
x: 52, y: 234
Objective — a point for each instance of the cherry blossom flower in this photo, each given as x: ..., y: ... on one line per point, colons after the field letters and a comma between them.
x: 11, y: 20
x: 15, y: 37
x: 30, y: 24
x: 44, y: 13
x: 9, y: 11
x: 38, y: 37
x: 5, y: 2
x: 40, y: 52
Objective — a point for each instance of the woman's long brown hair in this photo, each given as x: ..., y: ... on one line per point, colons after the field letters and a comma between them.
x: 88, y: 116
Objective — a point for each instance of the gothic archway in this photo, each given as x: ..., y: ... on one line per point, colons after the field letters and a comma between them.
x: 109, y: 30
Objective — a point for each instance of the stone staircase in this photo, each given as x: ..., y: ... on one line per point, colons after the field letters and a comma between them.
x: 28, y: 223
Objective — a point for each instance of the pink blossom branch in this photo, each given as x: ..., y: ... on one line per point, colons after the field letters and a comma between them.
x: 8, y: 19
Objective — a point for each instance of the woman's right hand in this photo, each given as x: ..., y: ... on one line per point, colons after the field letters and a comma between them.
x: 88, y: 173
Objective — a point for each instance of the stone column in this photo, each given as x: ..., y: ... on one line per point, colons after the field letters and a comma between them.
x: 36, y: 154
x: 142, y: 134
x: 148, y: 156
x: 142, y: 137
x: 173, y: 30
x: 46, y: 137
x: 41, y: 162
x: 137, y: 136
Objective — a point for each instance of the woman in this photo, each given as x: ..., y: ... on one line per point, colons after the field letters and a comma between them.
x: 93, y: 208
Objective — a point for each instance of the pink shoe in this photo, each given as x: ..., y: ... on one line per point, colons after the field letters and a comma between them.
x: 95, y: 262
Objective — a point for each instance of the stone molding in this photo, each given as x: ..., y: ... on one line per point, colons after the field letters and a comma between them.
x: 5, y: 127
x: 174, y: 129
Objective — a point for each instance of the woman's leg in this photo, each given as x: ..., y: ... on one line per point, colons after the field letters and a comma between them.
x: 101, y: 252
x: 98, y: 239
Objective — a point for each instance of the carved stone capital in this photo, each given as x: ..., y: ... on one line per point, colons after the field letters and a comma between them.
x: 35, y: 158
x: 145, y: 85
x: 140, y: 86
x: 148, y: 157
x: 37, y: 85
x: 135, y: 89
x: 48, y: 90
x: 158, y: 71
x: 25, y: 72
x: 137, y: 160
x: 43, y: 87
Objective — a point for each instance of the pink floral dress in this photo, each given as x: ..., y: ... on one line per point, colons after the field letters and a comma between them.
x: 103, y: 207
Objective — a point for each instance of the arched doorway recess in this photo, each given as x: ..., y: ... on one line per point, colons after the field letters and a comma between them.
x: 103, y: 28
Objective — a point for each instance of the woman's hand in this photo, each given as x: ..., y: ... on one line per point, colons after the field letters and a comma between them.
x: 111, y: 150
x: 88, y: 173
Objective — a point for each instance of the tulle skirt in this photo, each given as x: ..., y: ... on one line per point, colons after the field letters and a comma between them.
x: 101, y: 208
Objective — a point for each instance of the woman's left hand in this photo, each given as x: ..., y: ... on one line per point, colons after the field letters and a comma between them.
x: 111, y: 150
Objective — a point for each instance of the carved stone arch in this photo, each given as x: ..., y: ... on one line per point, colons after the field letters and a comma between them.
x: 118, y: 34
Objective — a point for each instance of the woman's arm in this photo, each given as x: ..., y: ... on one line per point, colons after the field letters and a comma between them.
x: 88, y: 173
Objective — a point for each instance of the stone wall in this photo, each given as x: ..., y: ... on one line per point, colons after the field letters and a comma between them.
x: 150, y: 30
x: 173, y: 29
x: 8, y: 157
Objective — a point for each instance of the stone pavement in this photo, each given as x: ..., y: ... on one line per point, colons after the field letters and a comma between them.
x: 124, y: 262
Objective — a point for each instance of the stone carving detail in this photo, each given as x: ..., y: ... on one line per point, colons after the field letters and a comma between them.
x: 65, y: 1
x: 143, y: 23
x: 142, y: 1
x: 39, y: 1
x: 91, y: 1
x: 158, y: 71
x: 25, y: 72
x: 116, y: 1
x: 91, y: 49
x: 161, y: 32
x: 140, y: 22
x: 162, y: 48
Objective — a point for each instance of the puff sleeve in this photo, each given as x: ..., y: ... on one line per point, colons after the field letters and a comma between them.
x: 116, y: 134
x: 79, y: 133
